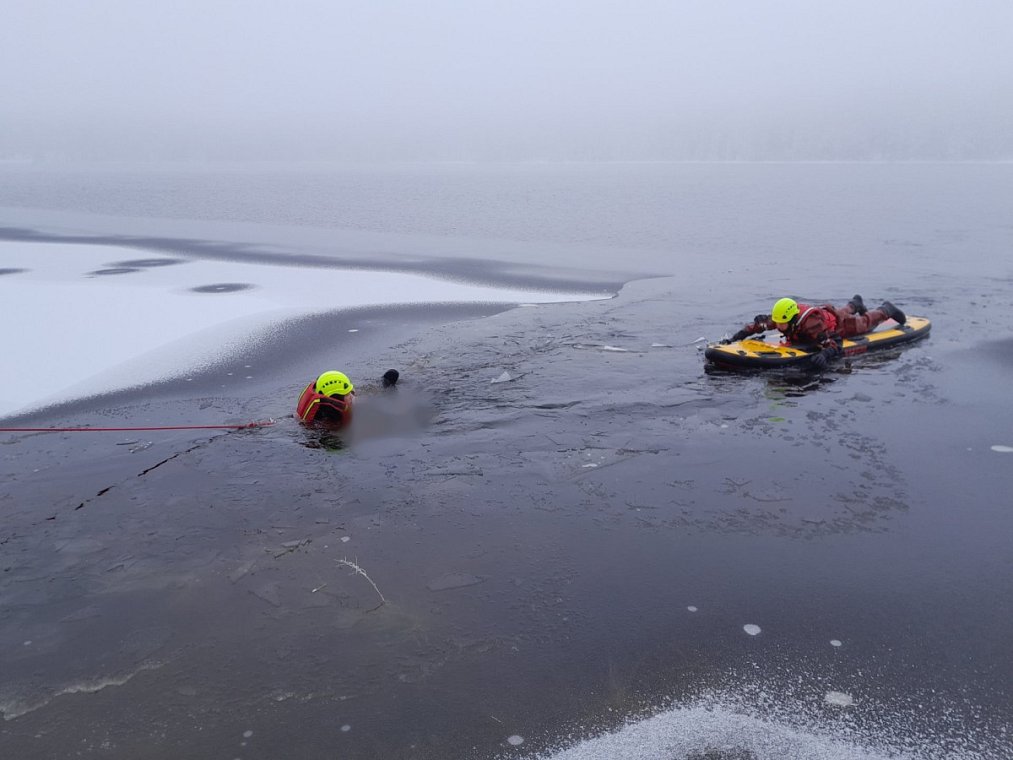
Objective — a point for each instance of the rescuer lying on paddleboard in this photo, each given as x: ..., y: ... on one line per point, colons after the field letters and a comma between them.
x: 823, y: 325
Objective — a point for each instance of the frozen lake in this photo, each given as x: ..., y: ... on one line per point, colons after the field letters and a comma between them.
x: 610, y: 553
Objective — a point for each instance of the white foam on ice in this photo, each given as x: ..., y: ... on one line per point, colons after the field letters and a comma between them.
x: 70, y: 333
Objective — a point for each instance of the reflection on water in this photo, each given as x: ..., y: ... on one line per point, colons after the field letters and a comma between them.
x: 793, y: 384
x: 784, y: 382
x: 321, y: 437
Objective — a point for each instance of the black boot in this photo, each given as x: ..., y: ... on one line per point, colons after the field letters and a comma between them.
x: 857, y: 305
x: 893, y: 312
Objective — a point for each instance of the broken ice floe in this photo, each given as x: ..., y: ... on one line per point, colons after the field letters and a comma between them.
x: 751, y: 629
x: 504, y: 378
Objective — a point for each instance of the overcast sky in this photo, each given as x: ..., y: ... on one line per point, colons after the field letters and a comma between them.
x: 508, y: 80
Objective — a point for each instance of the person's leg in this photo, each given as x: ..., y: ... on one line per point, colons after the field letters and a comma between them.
x: 893, y: 312
x: 856, y: 306
x: 849, y: 324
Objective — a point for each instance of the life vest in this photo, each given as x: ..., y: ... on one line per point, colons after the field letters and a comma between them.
x: 335, y: 411
x: 795, y: 334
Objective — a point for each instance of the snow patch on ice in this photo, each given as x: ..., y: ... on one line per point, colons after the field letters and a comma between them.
x: 1003, y: 449
x: 149, y: 325
x: 751, y: 629
x: 755, y: 724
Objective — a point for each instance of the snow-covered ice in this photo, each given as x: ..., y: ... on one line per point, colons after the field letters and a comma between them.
x: 83, y: 322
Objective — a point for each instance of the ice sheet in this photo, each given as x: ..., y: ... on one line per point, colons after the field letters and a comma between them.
x: 74, y: 313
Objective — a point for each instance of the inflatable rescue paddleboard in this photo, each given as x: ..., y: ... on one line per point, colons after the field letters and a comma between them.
x: 753, y: 353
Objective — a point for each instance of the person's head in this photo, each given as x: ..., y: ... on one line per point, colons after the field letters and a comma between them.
x: 390, y: 378
x: 333, y: 383
x: 784, y: 313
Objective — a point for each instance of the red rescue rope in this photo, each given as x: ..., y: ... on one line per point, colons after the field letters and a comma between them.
x: 248, y: 425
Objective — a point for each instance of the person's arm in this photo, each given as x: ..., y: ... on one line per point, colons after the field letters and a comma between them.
x: 829, y: 343
x: 760, y: 323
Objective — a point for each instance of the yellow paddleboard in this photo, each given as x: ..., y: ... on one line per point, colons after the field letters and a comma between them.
x: 758, y: 354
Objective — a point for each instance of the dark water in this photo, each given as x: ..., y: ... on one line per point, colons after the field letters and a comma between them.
x: 539, y: 543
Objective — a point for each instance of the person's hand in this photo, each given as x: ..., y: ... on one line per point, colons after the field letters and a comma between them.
x: 725, y: 341
x: 821, y: 360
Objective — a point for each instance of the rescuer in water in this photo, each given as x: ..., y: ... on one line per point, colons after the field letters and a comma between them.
x: 328, y: 400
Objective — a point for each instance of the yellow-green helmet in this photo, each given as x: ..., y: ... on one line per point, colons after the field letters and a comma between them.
x: 334, y: 384
x: 783, y: 311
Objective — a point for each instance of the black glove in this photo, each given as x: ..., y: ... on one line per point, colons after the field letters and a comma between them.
x: 820, y: 360
x: 725, y: 341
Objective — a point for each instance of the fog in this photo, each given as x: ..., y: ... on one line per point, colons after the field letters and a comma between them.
x: 526, y: 80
